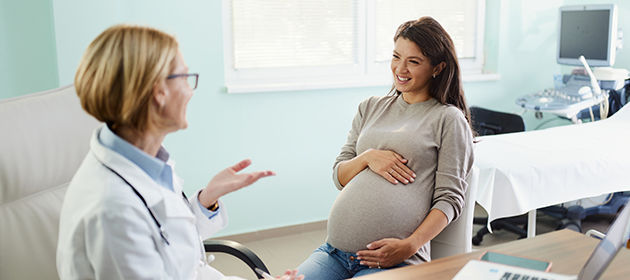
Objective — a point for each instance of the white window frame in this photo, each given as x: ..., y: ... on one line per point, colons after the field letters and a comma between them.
x: 363, y: 73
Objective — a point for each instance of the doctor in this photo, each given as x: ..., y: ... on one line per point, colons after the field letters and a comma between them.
x: 124, y: 215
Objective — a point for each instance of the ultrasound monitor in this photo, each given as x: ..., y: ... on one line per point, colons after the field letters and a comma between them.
x: 588, y: 30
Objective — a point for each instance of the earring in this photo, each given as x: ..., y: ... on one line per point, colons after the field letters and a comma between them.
x: 433, y: 75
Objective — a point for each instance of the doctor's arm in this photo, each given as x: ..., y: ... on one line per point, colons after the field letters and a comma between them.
x: 212, y: 220
x: 229, y: 180
x: 223, y: 183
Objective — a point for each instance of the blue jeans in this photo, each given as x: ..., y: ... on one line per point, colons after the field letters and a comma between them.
x: 329, y: 263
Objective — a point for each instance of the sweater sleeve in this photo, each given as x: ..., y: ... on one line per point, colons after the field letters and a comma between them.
x: 349, y: 151
x: 455, y: 159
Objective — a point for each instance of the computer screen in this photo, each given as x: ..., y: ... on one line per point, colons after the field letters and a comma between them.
x: 588, y: 30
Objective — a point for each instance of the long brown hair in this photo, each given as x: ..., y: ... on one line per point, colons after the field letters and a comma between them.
x: 438, y: 46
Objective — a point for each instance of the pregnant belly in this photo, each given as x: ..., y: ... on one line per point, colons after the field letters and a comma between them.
x: 370, y: 208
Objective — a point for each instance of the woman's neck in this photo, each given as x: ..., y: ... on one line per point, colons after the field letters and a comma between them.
x: 415, y: 97
x: 148, y: 141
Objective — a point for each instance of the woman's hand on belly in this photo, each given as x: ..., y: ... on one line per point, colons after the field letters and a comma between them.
x: 389, y: 165
x: 386, y: 252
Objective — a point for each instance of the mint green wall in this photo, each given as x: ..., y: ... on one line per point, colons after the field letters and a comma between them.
x: 296, y: 134
x: 28, y: 62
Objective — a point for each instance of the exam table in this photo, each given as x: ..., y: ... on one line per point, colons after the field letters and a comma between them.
x: 524, y: 171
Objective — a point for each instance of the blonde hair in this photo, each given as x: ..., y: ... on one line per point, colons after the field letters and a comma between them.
x: 119, y: 70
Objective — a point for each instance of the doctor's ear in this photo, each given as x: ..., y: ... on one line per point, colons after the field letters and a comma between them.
x: 159, y: 93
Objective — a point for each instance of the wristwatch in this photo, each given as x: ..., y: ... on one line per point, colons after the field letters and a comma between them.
x: 214, y: 207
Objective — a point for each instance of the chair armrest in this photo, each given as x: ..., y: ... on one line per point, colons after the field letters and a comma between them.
x: 595, y: 234
x: 238, y: 250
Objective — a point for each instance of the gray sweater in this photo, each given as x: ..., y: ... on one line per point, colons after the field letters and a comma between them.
x: 437, y: 142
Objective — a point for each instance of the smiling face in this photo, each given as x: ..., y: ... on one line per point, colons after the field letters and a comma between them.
x: 412, y: 70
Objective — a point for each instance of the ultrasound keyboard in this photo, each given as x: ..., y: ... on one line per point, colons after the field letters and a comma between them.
x: 554, y: 99
x: 575, y: 90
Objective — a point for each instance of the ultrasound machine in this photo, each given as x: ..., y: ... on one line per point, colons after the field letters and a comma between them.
x: 588, y: 37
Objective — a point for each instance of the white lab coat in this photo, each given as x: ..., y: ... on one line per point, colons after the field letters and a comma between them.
x: 106, y: 232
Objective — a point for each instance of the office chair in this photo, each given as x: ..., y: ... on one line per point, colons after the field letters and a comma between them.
x: 45, y: 137
x: 488, y: 122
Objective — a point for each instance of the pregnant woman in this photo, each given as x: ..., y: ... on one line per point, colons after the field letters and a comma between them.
x: 402, y: 170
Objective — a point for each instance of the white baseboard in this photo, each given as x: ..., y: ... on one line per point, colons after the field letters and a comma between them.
x: 275, y: 232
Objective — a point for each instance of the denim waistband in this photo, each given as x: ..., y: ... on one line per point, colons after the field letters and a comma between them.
x: 348, y: 259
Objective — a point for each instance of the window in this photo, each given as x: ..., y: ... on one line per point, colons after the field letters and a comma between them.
x: 307, y: 44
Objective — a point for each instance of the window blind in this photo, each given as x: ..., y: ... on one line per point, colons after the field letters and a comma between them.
x: 286, y: 33
x: 458, y: 17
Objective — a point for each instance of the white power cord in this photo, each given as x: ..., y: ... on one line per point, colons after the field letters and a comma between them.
x: 603, y: 105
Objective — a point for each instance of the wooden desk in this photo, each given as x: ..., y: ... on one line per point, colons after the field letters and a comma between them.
x: 567, y: 250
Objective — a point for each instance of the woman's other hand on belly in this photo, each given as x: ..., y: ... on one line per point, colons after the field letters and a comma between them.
x: 386, y: 252
x: 389, y: 165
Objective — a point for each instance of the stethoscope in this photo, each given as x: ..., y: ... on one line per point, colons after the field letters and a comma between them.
x: 144, y: 202
x: 203, y: 259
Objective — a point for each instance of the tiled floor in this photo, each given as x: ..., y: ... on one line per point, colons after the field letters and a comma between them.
x: 289, y: 249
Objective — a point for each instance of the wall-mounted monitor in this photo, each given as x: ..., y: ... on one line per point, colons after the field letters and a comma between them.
x: 588, y: 30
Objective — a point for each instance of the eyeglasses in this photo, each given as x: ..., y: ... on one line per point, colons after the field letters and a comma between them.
x: 191, y: 78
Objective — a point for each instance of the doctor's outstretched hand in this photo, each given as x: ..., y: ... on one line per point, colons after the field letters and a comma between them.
x: 230, y: 180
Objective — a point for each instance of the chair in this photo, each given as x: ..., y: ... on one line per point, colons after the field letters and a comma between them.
x: 488, y: 122
x: 45, y: 137
x: 237, y: 250
x: 456, y: 237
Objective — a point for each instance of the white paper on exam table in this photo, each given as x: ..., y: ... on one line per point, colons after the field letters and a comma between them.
x: 523, y: 171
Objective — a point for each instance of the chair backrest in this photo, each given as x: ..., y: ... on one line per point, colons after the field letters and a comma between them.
x: 45, y: 136
x: 488, y: 122
x: 456, y: 238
